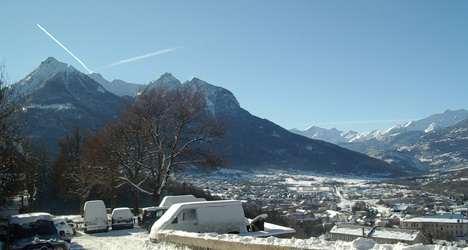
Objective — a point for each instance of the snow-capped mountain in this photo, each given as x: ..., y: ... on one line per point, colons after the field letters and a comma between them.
x: 392, y: 145
x: 426, y: 125
x: 431, y: 123
x: 47, y: 69
x: 118, y: 87
x: 330, y: 135
x: 444, y: 149
x: 166, y: 80
x: 58, y: 97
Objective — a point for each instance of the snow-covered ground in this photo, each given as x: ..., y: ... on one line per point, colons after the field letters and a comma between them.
x: 137, y: 239
x: 132, y: 239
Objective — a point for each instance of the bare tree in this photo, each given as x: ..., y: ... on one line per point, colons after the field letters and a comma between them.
x: 99, y: 154
x: 34, y: 168
x: 128, y: 147
x: 10, y: 172
x: 73, y: 176
x: 175, y: 129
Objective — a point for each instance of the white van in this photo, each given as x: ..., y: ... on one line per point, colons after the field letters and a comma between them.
x: 205, y: 216
x: 122, y: 217
x: 95, y: 217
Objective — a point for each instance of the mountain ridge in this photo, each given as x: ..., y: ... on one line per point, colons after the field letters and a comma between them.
x: 431, y: 123
x: 73, y: 98
x: 403, y: 144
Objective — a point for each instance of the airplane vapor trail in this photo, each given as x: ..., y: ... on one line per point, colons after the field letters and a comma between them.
x: 141, y: 57
x: 65, y: 48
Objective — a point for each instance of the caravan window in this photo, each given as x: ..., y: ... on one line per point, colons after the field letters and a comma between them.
x: 189, y: 214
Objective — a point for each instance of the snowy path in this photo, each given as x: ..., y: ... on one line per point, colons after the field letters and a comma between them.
x: 132, y: 239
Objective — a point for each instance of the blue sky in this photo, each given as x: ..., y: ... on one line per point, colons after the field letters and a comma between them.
x: 359, y: 65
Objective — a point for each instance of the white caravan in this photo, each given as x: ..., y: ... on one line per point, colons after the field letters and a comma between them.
x: 212, y: 216
x: 95, y: 217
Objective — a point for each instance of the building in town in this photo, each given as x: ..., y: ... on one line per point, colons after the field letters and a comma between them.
x: 349, y: 232
x: 438, y: 227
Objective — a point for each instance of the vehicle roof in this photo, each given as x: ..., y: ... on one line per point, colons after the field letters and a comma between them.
x: 153, y: 208
x: 171, y: 200
x: 95, y: 201
x: 122, y: 209
x: 21, y: 219
x: 204, y: 204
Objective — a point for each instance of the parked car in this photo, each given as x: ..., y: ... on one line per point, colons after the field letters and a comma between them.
x: 72, y: 225
x: 95, y: 217
x: 122, y: 218
x: 64, y: 231
x: 33, y: 231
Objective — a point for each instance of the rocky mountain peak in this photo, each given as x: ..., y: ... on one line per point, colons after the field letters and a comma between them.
x: 219, y: 100
x: 166, y: 80
x: 47, y: 69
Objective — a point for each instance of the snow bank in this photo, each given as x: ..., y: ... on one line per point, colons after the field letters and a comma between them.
x: 132, y: 239
x: 311, y: 243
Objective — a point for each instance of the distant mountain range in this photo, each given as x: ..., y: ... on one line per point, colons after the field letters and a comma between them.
x: 58, y: 97
x: 435, y: 143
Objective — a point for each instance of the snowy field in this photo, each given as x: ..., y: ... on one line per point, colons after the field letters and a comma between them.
x: 137, y: 239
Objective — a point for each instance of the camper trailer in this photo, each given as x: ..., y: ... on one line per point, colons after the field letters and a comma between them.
x: 95, y: 217
x: 215, y: 216
x: 152, y: 214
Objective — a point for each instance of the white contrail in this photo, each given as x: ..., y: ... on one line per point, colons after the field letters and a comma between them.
x: 65, y: 48
x: 141, y: 57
